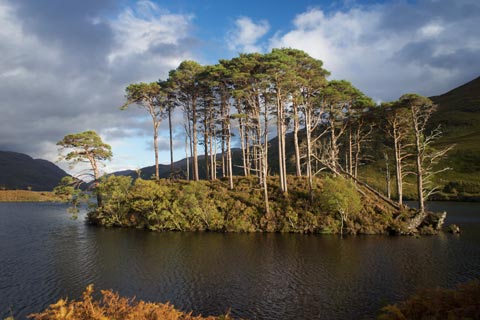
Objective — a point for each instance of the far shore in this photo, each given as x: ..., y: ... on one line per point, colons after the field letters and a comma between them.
x: 28, y: 196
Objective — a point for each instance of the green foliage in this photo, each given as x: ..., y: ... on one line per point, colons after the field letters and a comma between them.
x: 462, y: 187
x: 69, y: 191
x: 167, y: 205
x: 148, y: 95
x: 114, y: 191
x: 340, y: 195
x: 85, y: 145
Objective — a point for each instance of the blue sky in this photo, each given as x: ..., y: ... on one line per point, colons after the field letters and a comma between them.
x: 65, y: 64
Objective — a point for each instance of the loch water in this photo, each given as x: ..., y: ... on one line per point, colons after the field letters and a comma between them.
x: 45, y: 255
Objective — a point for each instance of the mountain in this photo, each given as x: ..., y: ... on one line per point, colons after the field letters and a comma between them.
x: 20, y: 171
x: 465, y: 98
x: 458, y: 115
x: 180, y: 167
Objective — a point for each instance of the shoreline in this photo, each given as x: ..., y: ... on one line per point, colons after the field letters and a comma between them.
x: 28, y: 196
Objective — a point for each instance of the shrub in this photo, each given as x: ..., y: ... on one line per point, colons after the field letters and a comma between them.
x: 462, y: 303
x: 112, y: 306
x: 114, y: 191
x: 167, y: 205
x: 340, y: 196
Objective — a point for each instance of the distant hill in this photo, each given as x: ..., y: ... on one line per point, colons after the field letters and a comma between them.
x: 459, y: 117
x: 180, y: 168
x: 20, y: 171
x: 465, y: 98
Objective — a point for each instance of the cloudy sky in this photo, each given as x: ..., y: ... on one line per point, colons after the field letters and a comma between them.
x: 64, y: 64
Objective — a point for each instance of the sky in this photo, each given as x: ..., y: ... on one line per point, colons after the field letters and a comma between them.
x: 64, y: 64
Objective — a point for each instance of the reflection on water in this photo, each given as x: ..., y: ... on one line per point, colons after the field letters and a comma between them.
x: 44, y: 256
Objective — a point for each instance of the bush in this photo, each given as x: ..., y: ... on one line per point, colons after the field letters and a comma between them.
x: 462, y: 187
x: 168, y: 205
x: 462, y: 303
x: 340, y: 196
x: 112, y: 306
x: 115, y: 191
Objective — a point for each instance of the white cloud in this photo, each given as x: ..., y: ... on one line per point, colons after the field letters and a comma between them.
x: 390, y: 49
x: 431, y: 30
x: 48, y: 92
x: 139, y: 29
x: 245, y: 35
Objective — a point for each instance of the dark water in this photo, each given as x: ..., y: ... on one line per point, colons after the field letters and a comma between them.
x: 44, y: 256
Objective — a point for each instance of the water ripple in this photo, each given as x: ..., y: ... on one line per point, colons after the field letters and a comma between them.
x: 44, y: 255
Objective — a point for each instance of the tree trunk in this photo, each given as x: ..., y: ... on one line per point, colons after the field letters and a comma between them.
x: 187, y: 158
x: 242, y: 142
x: 265, y: 186
x: 308, y: 132
x: 229, y: 157
x: 224, y: 164
x: 205, y: 149
x: 213, y: 156
x: 195, y: 139
x: 350, y: 151
x: 96, y: 177
x: 333, y: 147
x: 280, y: 147
x: 295, y: 140
x: 398, y: 164
x: 418, y: 161
x: 387, y: 175
x: 171, y: 140
x: 265, y: 139
x: 247, y: 150
x: 155, y: 147
x: 356, y: 159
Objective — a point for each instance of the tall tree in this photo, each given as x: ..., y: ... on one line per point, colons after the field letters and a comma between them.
x: 87, y: 147
x: 361, y: 122
x: 250, y: 87
x: 221, y: 81
x: 421, y: 109
x: 339, y: 98
x: 166, y: 87
x: 280, y: 67
x: 185, y: 84
x: 298, y: 71
x: 310, y: 82
x: 153, y: 98
x: 398, y: 129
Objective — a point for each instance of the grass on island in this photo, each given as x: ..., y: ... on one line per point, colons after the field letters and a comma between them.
x: 27, y: 196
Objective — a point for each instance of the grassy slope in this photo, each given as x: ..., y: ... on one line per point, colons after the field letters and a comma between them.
x: 26, y: 196
x: 458, y: 115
